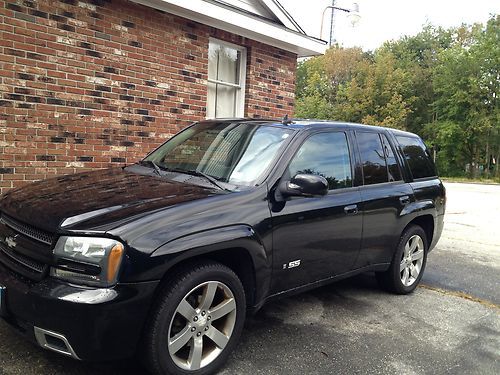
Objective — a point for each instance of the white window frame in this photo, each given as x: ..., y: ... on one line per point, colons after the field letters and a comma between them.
x: 240, y: 93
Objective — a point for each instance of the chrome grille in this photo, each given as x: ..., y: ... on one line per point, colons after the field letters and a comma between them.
x: 28, y: 230
x: 29, y: 263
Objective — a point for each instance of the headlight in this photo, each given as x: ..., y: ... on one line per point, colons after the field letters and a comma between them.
x: 88, y: 260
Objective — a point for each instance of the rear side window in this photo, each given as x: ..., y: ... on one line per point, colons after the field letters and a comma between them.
x: 392, y: 164
x: 327, y: 155
x: 417, y: 156
x: 372, y: 157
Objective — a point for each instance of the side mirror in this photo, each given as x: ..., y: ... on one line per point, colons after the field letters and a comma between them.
x: 304, y: 185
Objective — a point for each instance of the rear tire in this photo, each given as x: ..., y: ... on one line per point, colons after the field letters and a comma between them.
x: 408, y: 263
x: 197, y: 321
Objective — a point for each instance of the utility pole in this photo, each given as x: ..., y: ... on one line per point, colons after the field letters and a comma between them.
x: 332, y: 23
x: 353, y: 14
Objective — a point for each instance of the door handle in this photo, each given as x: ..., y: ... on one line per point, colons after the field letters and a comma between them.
x: 351, y: 209
x: 405, y: 199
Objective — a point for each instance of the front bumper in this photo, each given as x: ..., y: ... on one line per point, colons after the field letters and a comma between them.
x: 99, y: 324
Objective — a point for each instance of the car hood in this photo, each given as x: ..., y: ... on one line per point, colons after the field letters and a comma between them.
x: 98, y: 200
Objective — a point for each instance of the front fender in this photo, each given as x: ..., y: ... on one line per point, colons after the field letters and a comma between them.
x: 202, y: 244
x: 213, y: 239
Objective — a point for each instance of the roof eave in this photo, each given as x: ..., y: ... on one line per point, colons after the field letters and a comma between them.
x: 241, y: 24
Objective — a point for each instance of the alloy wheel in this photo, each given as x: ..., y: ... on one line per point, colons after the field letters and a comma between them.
x: 412, y: 260
x: 202, y: 325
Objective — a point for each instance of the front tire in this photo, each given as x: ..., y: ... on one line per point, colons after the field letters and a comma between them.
x: 408, y: 264
x: 197, y: 321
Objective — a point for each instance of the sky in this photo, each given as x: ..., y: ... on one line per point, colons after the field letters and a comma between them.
x: 383, y: 20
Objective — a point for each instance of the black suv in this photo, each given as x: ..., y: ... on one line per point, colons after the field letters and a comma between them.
x: 167, y: 255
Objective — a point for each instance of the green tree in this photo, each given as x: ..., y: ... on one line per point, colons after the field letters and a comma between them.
x: 487, y: 53
x: 319, y: 79
x: 418, y: 55
x: 441, y: 84
x: 466, y: 88
x: 377, y: 93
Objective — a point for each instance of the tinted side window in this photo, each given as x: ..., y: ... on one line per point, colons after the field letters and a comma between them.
x: 327, y: 155
x: 418, y: 157
x: 392, y: 165
x: 372, y: 158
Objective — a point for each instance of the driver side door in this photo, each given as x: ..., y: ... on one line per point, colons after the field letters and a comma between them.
x: 316, y: 238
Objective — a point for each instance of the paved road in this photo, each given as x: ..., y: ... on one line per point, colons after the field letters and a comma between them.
x: 449, y: 325
x: 467, y: 258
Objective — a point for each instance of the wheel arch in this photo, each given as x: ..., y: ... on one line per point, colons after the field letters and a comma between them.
x: 426, y: 222
x: 237, y: 259
x: 236, y: 247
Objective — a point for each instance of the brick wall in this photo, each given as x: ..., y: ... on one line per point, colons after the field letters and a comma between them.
x: 91, y: 83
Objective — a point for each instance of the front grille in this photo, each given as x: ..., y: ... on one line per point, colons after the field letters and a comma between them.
x: 29, y: 263
x: 28, y: 230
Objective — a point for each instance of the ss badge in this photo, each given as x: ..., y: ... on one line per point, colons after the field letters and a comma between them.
x: 292, y: 264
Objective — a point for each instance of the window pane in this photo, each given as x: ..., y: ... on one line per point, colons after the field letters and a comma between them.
x: 229, y: 62
x: 225, y: 102
x: 223, y: 63
x: 212, y: 87
x: 372, y: 158
x: 418, y: 157
x: 213, y: 60
x: 221, y: 101
x: 327, y: 155
x: 392, y: 164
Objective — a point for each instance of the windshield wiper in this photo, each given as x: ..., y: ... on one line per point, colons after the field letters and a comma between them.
x: 191, y: 172
x: 207, y: 177
x: 152, y: 163
x: 213, y: 180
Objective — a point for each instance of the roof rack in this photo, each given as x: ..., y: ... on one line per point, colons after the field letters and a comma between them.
x: 313, y: 119
x: 286, y: 120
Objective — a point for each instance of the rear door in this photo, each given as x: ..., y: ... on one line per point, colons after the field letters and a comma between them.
x: 384, y: 194
x: 425, y: 184
x: 315, y: 238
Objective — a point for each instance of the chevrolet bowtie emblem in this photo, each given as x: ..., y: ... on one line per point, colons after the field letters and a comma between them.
x: 11, y: 241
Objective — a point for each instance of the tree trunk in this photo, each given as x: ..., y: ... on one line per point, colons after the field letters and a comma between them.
x: 472, y: 161
x: 497, y: 162
x: 487, y: 168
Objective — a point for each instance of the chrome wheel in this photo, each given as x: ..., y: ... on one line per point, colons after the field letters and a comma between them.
x: 412, y: 260
x: 202, y: 325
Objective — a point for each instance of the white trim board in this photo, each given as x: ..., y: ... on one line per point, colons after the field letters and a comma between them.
x: 240, y: 23
x: 279, y: 11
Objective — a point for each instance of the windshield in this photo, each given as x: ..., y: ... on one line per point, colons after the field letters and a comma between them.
x: 233, y: 152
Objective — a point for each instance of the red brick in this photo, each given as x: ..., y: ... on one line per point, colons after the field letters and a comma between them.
x: 84, y: 115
